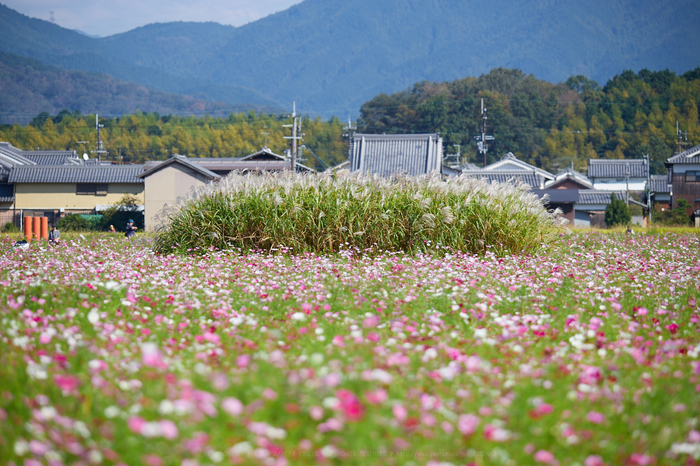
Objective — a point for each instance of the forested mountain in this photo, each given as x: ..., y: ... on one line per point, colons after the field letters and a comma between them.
x: 29, y: 87
x: 330, y: 56
x: 548, y: 125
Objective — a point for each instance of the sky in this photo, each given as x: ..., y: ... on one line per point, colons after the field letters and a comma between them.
x: 105, y: 18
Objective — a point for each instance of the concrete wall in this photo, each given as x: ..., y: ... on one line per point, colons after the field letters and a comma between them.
x: 165, y: 186
x: 53, y: 196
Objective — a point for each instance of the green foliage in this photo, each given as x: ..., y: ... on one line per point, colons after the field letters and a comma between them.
x: 616, y: 213
x: 9, y: 227
x: 674, y: 217
x: 327, y: 214
x: 120, y: 213
x: 548, y: 125
x: 150, y: 136
x: 79, y: 222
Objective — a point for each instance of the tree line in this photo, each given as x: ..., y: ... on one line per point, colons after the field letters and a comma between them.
x: 549, y: 125
x: 140, y: 136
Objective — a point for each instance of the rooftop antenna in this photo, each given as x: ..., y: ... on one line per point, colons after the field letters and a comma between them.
x: 483, y: 137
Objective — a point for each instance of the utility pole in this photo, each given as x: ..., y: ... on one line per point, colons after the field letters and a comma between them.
x: 100, y: 147
x: 627, y: 175
x: 648, y: 167
x: 682, y: 142
x: 350, y: 134
x: 483, y: 138
x: 294, y: 138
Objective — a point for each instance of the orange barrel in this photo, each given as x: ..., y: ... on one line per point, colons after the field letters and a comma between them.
x: 45, y: 227
x: 28, y: 225
x: 37, y: 227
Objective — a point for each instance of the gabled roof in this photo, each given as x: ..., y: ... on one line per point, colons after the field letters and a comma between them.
x: 179, y: 160
x: 659, y: 184
x: 7, y: 193
x: 601, y: 168
x: 76, y: 174
x: 264, y: 154
x: 691, y: 155
x: 572, y: 175
x: 511, y: 163
x: 390, y: 154
x: 534, y: 180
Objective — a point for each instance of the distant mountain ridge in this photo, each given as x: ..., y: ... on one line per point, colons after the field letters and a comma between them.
x: 28, y: 87
x: 330, y: 56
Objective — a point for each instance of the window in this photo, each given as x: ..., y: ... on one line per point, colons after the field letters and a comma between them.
x: 692, y: 176
x: 91, y: 189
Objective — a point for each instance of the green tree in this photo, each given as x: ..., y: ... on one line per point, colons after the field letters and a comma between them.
x: 616, y: 213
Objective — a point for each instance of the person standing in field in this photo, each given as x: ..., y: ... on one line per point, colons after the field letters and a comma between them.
x: 112, y: 229
x: 130, y: 229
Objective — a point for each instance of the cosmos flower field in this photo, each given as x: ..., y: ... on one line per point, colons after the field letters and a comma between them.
x: 587, y: 353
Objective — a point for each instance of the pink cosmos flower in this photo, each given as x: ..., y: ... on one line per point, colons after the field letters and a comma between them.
x: 593, y: 460
x: 232, y: 406
x: 468, y: 423
x: 151, y: 356
x: 38, y: 448
x: 377, y: 396
x: 495, y: 434
x: 153, y: 460
x: 399, y: 412
x: 543, y: 456
x: 243, y: 360
x: 316, y: 413
x: 168, y: 429
x: 136, y: 424
x: 640, y: 459
x: 350, y: 405
x: 694, y: 436
x: 595, y: 417
x: 66, y: 383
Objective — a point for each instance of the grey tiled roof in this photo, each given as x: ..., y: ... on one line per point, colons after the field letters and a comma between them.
x: 506, y: 176
x: 53, y: 158
x: 691, y: 155
x: 77, y: 174
x: 659, y: 184
x: 598, y: 168
x: 558, y: 196
x: 593, y: 196
x: 7, y: 193
x: 389, y: 154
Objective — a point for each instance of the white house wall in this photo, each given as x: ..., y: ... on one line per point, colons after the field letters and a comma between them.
x: 634, y: 185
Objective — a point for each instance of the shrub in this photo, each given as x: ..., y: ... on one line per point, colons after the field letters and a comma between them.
x: 322, y: 214
x: 616, y: 213
x: 9, y: 227
x: 78, y: 222
x: 674, y: 217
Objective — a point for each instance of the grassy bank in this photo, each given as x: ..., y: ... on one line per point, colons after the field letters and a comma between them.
x: 326, y: 214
